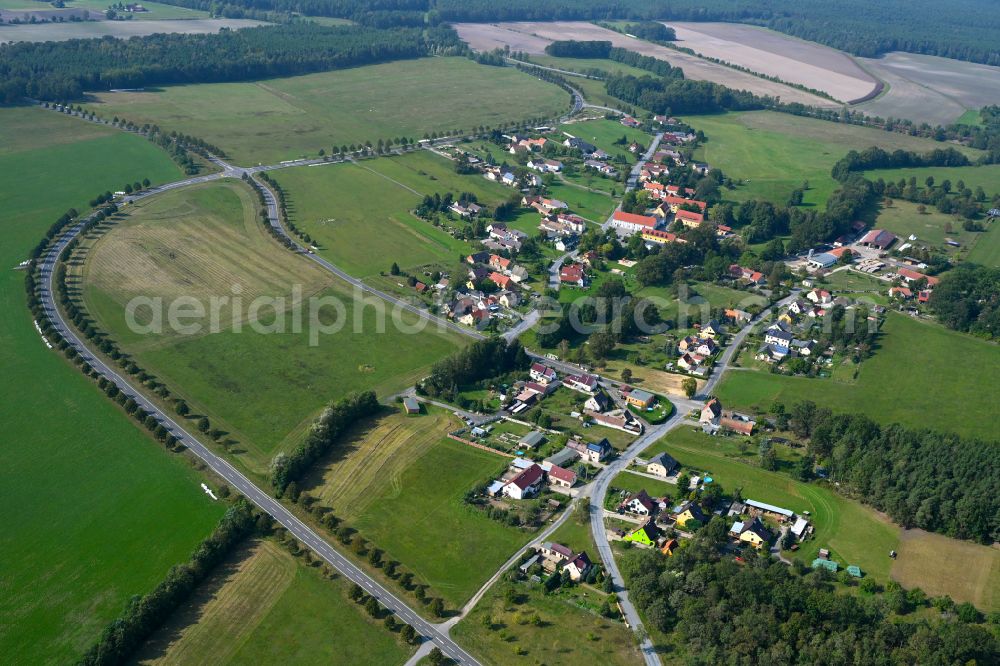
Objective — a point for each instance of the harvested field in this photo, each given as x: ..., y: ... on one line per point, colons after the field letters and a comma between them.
x: 531, y: 37
x: 376, y: 455
x: 264, y: 606
x: 928, y: 560
x: 931, y: 89
x: 60, y: 32
x: 772, y: 53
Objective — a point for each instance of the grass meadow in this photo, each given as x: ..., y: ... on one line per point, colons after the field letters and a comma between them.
x: 921, y: 374
x: 286, y: 118
x: 341, y: 205
x: 775, y: 152
x: 263, y: 389
x: 605, y: 133
x: 265, y: 606
x: 401, y: 485
x: 96, y: 512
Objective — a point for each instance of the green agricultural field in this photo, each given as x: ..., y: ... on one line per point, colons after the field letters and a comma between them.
x: 854, y: 533
x: 775, y: 152
x: 261, y: 384
x: 926, y: 560
x: 402, y: 487
x: 96, y: 512
x: 501, y: 629
x: 583, y: 64
x: 263, y: 605
x: 338, y: 205
x: 281, y: 119
x: 857, y: 285
x: 921, y: 375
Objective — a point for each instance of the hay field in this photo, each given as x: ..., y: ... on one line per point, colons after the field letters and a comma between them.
x: 264, y: 606
x: 963, y: 570
x: 534, y: 36
x: 772, y: 53
x: 375, y: 456
x: 930, y: 89
x: 261, y: 384
x: 403, y: 490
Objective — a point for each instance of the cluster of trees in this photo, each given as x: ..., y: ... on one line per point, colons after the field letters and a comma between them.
x: 63, y: 70
x: 480, y: 360
x: 878, y: 158
x: 671, y: 96
x: 935, y: 481
x: 652, y: 31
x: 571, y: 48
x: 968, y: 299
x: 767, y: 612
x: 147, y: 613
x: 435, y: 203
x: 323, y: 435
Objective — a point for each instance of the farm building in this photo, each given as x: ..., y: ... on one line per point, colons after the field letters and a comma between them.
x: 771, y: 510
x: 829, y: 565
x: 531, y: 440
x: 411, y: 405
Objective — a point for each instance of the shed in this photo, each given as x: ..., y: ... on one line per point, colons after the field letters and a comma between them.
x: 770, y: 508
x: 854, y: 570
x: 527, y: 564
x: 411, y: 405
x: 820, y: 563
x: 532, y: 439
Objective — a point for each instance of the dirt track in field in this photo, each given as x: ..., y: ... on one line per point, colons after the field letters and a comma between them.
x: 532, y: 37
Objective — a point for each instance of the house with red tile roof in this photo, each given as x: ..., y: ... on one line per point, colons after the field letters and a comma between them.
x: 689, y: 219
x: 632, y: 222
x: 573, y: 274
x: 525, y: 484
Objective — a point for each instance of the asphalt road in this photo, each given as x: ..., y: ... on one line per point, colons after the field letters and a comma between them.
x: 603, y: 480
x: 234, y: 478
x: 441, y: 323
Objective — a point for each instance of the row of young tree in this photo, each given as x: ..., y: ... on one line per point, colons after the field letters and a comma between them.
x: 480, y: 360
x: 936, y: 481
x: 324, y: 434
x: 145, y: 614
x: 63, y: 70
x: 762, y: 611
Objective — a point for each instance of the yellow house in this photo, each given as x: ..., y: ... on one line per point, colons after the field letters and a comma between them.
x: 687, y: 512
x: 752, y: 532
x: 787, y: 318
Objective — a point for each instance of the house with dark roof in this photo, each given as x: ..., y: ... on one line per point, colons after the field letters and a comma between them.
x: 661, y: 464
x: 687, y: 512
x: 578, y: 566
x: 639, y: 504
x: 525, y: 484
x: 644, y: 535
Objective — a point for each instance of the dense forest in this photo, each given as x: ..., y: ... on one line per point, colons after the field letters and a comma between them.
x: 765, y: 612
x: 935, y: 481
x: 63, y: 70
x: 968, y: 299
